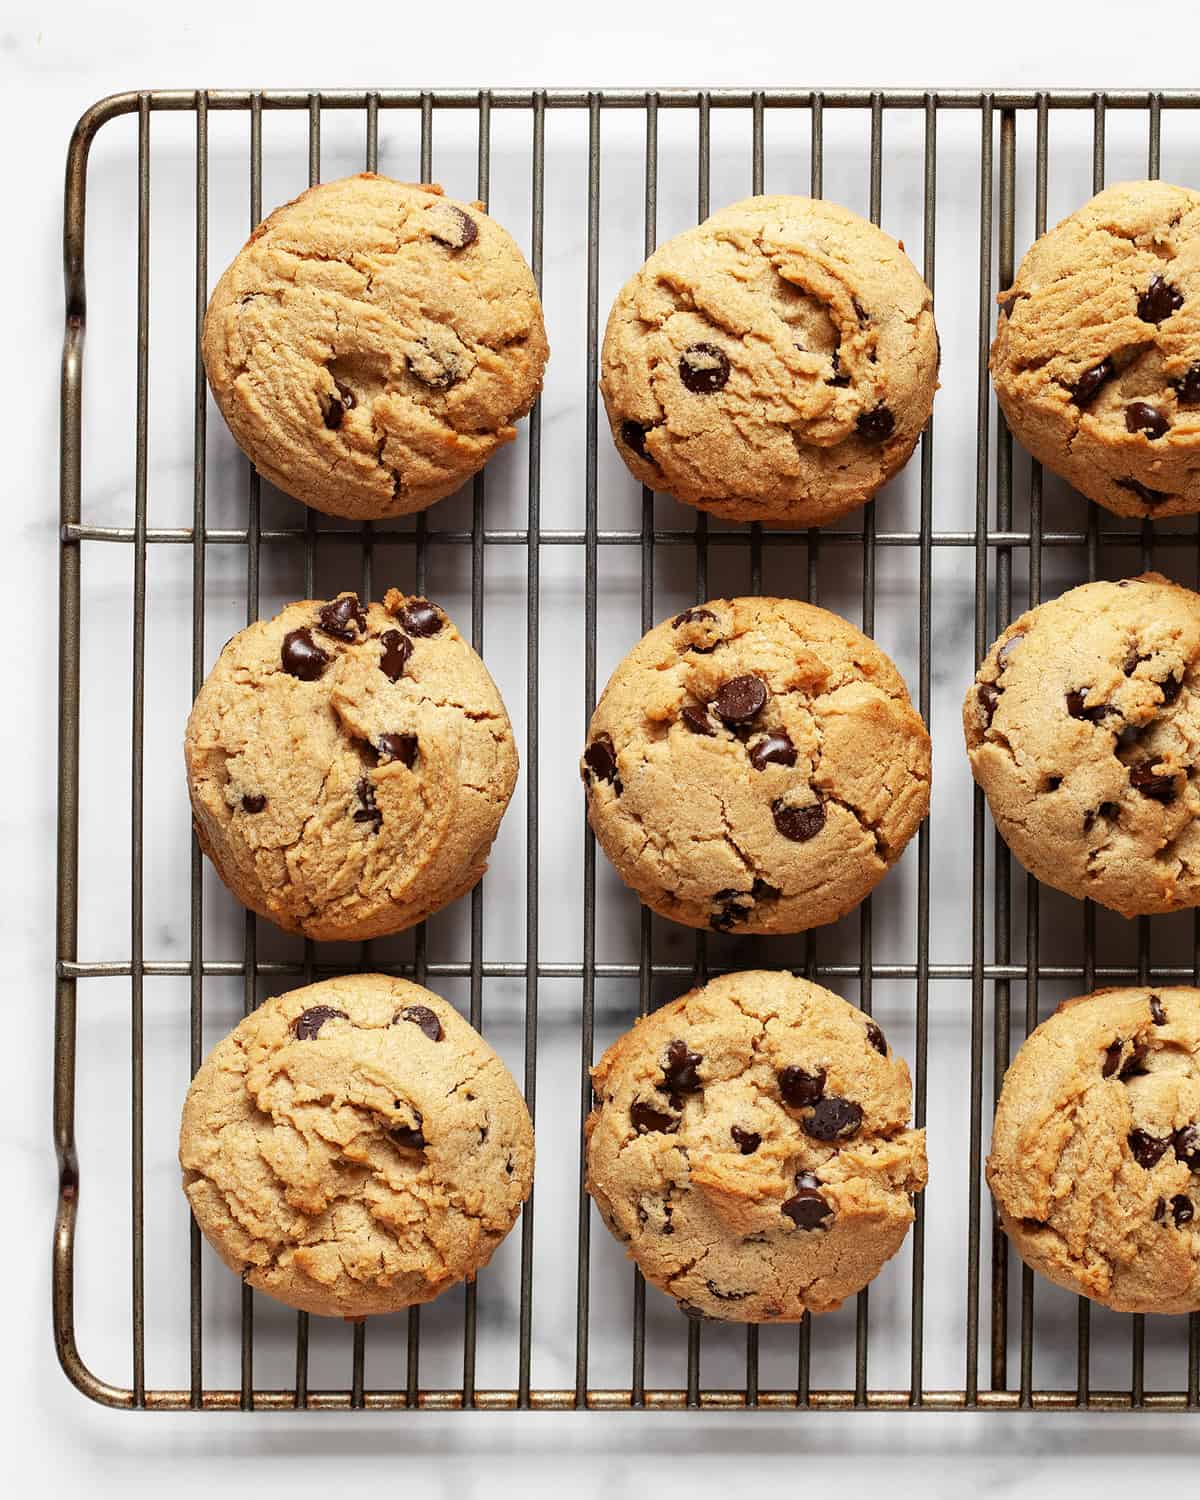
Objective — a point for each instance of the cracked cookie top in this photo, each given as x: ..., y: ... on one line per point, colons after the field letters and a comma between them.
x: 1083, y: 729
x: 749, y: 1144
x: 755, y: 764
x: 349, y: 765
x: 1096, y: 359
x: 355, y: 1147
x: 372, y: 344
x: 1095, y: 1159
x: 776, y: 362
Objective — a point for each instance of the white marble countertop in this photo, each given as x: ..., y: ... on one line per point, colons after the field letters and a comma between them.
x: 56, y: 58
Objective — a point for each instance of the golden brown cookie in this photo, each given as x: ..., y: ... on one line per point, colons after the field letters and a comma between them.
x: 778, y: 362
x: 355, y: 1147
x: 750, y: 1146
x: 755, y: 764
x: 349, y: 765
x: 1096, y: 359
x: 1096, y: 1149
x: 373, y: 344
x: 1083, y: 729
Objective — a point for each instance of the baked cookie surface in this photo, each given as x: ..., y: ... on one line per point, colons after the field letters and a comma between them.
x: 355, y: 1147
x: 1083, y: 729
x: 749, y: 1145
x: 755, y: 764
x: 1096, y: 1149
x: 349, y: 765
x: 1096, y: 359
x: 776, y: 362
x: 372, y: 345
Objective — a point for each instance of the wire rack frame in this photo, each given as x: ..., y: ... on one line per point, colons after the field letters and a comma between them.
x: 992, y: 543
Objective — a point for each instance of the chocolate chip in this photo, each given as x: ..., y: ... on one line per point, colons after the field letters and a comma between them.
x: 1159, y: 301
x: 721, y: 1296
x: 253, y: 802
x: 800, y: 1088
x: 875, y: 426
x: 600, y: 759
x: 703, y: 368
x: 837, y: 378
x: 1008, y: 648
x: 1140, y: 416
x: 343, y: 617
x: 763, y: 890
x: 1147, y: 1149
x: 1053, y: 783
x: 1182, y: 1209
x: 731, y: 913
x: 397, y: 648
x: 437, y: 369
x: 834, y: 1119
x: 421, y: 618
x: 1187, y: 1146
x: 747, y: 1141
x: 876, y: 1038
x: 860, y: 311
x: 1112, y: 1059
x: 334, y: 408
x: 453, y: 227
x: 633, y: 435
x: 1135, y: 1064
x: 301, y: 656
x: 1107, y: 810
x: 1085, y: 389
x: 368, y: 812
x: 1160, y: 1211
x: 1150, y: 783
x: 697, y: 720
x: 422, y: 1016
x: 401, y: 747
x: 1187, y: 387
x: 1006, y: 301
x: 1170, y: 687
x: 807, y: 1210
x: 1157, y: 1014
x: 1132, y: 662
x: 1075, y: 702
x: 741, y: 699
x: 987, y: 695
x: 410, y: 1135
x: 773, y: 749
x: 799, y: 823
x: 309, y: 1022
x: 1146, y: 495
x: 679, y: 1070
x: 646, y: 1118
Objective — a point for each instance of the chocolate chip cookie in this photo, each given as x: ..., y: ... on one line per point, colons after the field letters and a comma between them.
x: 1095, y: 1160
x: 778, y: 362
x: 355, y: 1147
x: 349, y: 765
x: 373, y: 344
x: 1083, y: 729
x: 1096, y: 360
x: 755, y: 764
x: 749, y: 1144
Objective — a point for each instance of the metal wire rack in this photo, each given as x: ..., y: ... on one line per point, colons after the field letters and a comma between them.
x: 1006, y: 547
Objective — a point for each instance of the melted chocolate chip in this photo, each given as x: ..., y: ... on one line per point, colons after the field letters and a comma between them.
x: 646, y: 1118
x: 422, y: 1016
x: 1159, y: 301
x: 1157, y: 1014
x: 600, y: 759
x: 1187, y: 387
x: 343, y: 617
x: 987, y: 695
x: 397, y: 648
x: 301, y: 656
x: 436, y: 369
x: 807, y: 1209
x: 834, y: 1119
x: 1006, y: 301
x: 1146, y: 495
x: 334, y: 408
x: 838, y: 378
x: 1107, y: 810
x: 773, y: 749
x: 410, y: 1135
x: 875, y: 426
x: 1135, y: 1064
x: 421, y: 618
x: 1182, y: 1209
x: 762, y: 890
x: 800, y: 1088
x: 747, y: 1141
x: 401, y: 747
x: 1170, y: 687
x: 876, y: 1038
x: 704, y: 369
x: 253, y: 802
x: 799, y: 823
x: 741, y: 699
x: 368, y: 812
x: 309, y: 1022
x: 1187, y: 1146
x: 688, y: 615
x: 697, y: 720
x: 731, y: 913
x: 679, y: 1070
x: 1112, y: 1059
x: 1147, y: 1149
x: 1075, y: 702
x: 454, y: 228
x: 1140, y: 416
x: 860, y: 311
x: 633, y: 435
x: 1132, y: 662
x: 1087, y: 387
x: 1150, y: 783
